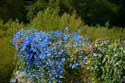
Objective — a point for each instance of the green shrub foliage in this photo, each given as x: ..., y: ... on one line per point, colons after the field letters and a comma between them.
x: 107, y: 62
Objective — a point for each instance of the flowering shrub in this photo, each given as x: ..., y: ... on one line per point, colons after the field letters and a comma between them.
x: 107, y: 63
x: 46, y: 56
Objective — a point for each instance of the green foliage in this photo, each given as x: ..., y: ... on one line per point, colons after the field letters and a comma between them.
x: 107, y: 62
x: 40, y: 5
x: 7, y: 59
x: 91, y: 11
x: 96, y: 11
x: 11, y: 9
x: 49, y: 19
x: 33, y: 9
x: 7, y: 51
x: 99, y: 32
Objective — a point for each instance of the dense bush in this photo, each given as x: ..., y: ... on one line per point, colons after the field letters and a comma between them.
x: 58, y: 56
x: 49, y: 19
x: 12, y: 9
x: 91, y: 11
x: 7, y: 59
x: 39, y: 5
x: 107, y: 62
x: 50, y: 56
x: 7, y: 51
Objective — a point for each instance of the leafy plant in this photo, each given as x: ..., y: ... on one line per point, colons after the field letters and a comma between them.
x: 107, y: 62
x: 48, y: 56
x: 49, y: 19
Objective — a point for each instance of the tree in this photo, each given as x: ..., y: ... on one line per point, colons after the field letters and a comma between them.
x: 11, y: 9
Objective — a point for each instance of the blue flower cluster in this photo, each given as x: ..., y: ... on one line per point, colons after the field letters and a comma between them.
x: 44, y: 55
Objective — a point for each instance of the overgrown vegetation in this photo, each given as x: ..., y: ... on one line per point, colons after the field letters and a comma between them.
x: 107, y: 62
x: 43, y: 15
x: 91, y: 11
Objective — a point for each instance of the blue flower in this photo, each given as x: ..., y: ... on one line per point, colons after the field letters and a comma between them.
x: 62, y: 60
x: 81, y: 52
x: 45, y: 53
x: 78, y: 43
x: 73, y: 65
x: 58, y: 33
x: 59, y: 42
x: 26, y: 42
x: 76, y: 36
x: 84, y: 58
x: 67, y: 29
x: 66, y: 36
x: 35, y: 61
x: 59, y: 69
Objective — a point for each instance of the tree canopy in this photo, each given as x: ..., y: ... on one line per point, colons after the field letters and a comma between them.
x: 92, y: 12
